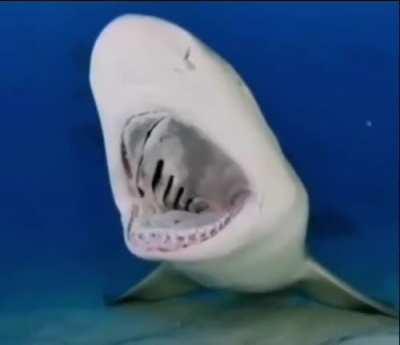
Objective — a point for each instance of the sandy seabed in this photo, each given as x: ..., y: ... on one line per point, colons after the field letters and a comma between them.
x: 68, y: 313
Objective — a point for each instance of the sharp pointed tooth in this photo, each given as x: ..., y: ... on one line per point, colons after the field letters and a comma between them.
x: 203, y: 235
x: 162, y: 242
x: 192, y: 238
x: 187, y: 239
x: 227, y: 219
x: 173, y: 243
x: 181, y: 239
x: 154, y: 238
x: 160, y: 238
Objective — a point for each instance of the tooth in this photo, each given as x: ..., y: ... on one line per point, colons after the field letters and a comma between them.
x: 154, y: 238
x: 203, y: 235
x: 225, y: 220
x: 181, y: 240
x: 173, y: 243
x: 192, y: 237
x: 160, y: 238
x: 162, y: 242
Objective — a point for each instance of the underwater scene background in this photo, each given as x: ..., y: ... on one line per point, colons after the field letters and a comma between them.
x: 326, y: 75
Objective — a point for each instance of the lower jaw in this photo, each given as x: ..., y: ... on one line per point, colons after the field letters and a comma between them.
x: 170, y: 240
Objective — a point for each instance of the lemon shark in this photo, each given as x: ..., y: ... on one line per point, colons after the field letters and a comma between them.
x: 198, y: 176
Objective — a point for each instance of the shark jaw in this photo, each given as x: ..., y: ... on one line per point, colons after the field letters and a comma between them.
x: 190, y: 230
x: 187, y: 193
x: 226, y: 234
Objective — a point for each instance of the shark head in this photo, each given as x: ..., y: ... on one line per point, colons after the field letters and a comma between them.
x: 195, y: 170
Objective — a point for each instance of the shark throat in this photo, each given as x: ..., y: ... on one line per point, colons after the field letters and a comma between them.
x: 185, y: 190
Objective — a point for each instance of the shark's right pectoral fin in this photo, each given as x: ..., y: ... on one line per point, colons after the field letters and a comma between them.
x: 329, y: 289
x: 162, y: 283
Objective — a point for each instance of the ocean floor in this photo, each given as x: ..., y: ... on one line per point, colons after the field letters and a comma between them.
x: 67, y: 313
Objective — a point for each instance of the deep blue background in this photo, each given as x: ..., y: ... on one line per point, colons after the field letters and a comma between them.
x: 325, y: 74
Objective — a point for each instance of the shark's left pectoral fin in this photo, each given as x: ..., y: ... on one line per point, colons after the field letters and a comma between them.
x: 162, y: 283
x: 327, y: 288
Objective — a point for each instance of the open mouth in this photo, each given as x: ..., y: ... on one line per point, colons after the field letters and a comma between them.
x: 176, y: 229
x: 186, y: 190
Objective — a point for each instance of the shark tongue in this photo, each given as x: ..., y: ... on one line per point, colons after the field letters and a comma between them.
x: 179, y: 220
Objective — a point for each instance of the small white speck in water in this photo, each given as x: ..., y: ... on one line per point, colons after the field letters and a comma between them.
x: 368, y: 123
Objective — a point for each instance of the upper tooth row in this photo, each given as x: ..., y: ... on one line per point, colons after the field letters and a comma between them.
x: 177, y: 238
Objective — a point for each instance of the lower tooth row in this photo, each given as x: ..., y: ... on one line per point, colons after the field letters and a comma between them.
x: 173, y: 241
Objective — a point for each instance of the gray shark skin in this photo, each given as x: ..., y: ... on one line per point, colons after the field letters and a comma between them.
x: 198, y: 176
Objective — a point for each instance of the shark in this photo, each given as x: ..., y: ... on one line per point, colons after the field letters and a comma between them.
x: 199, y: 178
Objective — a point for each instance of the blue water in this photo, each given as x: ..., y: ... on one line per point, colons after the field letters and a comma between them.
x: 326, y: 76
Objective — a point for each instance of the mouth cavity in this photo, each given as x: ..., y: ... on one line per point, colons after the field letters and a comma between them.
x: 175, y: 230
x: 185, y: 189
